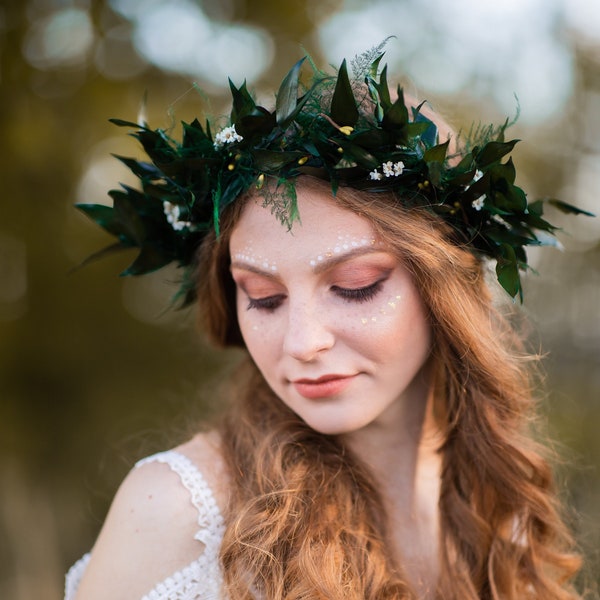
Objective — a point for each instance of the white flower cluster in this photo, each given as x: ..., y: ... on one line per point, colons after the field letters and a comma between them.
x: 390, y: 169
x: 228, y: 135
x: 173, y: 214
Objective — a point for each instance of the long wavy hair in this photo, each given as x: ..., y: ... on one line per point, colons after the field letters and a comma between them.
x: 306, y: 520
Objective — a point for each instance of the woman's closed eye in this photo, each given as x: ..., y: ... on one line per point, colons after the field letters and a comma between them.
x: 360, y: 294
x: 267, y: 303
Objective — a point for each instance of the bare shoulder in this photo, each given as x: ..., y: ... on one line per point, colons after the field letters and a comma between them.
x: 204, y: 450
x: 149, y: 531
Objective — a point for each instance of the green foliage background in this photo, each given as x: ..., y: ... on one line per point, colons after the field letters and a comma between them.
x: 86, y: 388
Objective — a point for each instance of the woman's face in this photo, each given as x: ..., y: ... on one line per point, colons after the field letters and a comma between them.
x: 331, y: 318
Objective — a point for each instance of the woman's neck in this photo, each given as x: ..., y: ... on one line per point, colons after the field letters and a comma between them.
x: 402, y: 452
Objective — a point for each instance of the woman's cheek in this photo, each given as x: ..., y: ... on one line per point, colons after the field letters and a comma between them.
x: 377, y: 311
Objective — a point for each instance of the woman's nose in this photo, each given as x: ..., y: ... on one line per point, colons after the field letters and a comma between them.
x: 308, y: 333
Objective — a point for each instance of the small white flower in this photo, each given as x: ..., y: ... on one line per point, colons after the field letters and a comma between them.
x: 376, y: 175
x: 478, y: 203
x: 500, y: 220
x: 173, y: 212
x: 388, y: 168
x: 228, y: 135
x: 391, y: 169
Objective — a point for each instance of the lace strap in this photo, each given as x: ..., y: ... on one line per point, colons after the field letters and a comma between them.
x: 210, y: 521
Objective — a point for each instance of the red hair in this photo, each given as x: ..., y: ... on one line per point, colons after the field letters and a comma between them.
x: 305, y: 519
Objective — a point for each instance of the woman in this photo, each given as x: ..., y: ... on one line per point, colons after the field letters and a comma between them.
x: 378, y: 443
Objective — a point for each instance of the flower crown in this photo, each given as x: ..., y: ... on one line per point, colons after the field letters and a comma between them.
x: 322, y: 129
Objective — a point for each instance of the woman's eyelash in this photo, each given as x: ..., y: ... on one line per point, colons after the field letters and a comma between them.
x: 362, y: 294
x: 269, y: 303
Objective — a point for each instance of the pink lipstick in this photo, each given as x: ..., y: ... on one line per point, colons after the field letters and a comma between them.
x: 323, y: 387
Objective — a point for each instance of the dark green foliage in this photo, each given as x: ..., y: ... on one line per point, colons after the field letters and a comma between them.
x: 320, y: 128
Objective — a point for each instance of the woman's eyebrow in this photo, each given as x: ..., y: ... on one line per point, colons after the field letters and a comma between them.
x: 331, y: 261
x: 327, y: 262
x: 237, y: 264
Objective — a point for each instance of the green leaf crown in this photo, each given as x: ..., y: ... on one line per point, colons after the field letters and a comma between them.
x: 320, y: 128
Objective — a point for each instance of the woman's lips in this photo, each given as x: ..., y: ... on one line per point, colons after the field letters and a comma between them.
x: 323, y: 387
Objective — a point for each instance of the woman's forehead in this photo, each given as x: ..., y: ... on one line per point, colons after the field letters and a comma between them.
x: 321, y: 222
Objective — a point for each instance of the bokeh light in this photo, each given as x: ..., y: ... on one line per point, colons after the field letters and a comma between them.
x: 180, y: 37
x: 494, y: 50
x: 62, y: 39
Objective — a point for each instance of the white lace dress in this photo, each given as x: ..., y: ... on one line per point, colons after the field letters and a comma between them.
x: 201, y: 579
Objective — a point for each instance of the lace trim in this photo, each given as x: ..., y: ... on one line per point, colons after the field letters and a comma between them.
x: 197, y: 581
x: 74, y: 575
x: 204, y: 573
x: 210, y: 521
x: 201, y: 579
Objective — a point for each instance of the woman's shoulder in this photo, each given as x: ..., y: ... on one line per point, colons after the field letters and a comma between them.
x: 152, y: 528
x: 205, y: 454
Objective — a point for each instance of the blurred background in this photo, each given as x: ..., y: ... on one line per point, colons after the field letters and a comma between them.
x: 94, y: 373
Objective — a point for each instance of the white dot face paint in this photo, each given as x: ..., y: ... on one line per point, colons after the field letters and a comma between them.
x: 385, y: 311
x: 344, y: 243
x: 249, y: 256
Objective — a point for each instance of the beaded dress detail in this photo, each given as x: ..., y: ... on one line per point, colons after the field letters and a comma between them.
x: 202, y: 578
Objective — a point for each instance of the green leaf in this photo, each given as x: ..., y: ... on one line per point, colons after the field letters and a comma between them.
x: 536, y: 207
x: 150, y: 258
x: 396, y: 117
x: 418, y: 129
x: 301, y: 102
x: 504, y: 171
x: 156, y: 146
x: 115, y: 248
x: 360, y: 155
x: 101, y: 215
x: 194, y: 137
x: 259, y: 122
x: 243, y: 104
x: 372, y: 138
x: 507, y: 271
x: 343, y: 105
x: 568, y: 208
x: 435, y: 170
x: 437, y: 153
x: 287, y: 97
x: 493, y: 151
x: 535, y: 221
x: 501, y: 235
x: 271, y: 160
x: 429, y: 134
x: 384, y: 89
x: 375, y: 66
x: 143, y: 170
x: 122, y: 123
x: 128, y: 217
